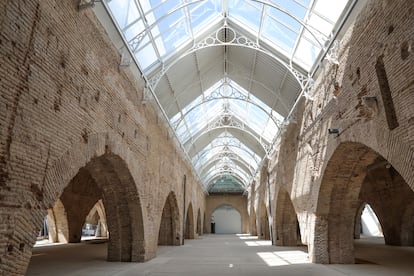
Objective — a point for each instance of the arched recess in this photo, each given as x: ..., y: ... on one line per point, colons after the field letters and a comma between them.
x: 286, y: 224
x: 252, y: 219
x: 169, y: 230
x: 58, y: 223
x: 389, y: 197
x: 97, y: 217
x: 109, y: 178
x: 338, y: 201
x: 199, y: 227
x: 264, y: 223
x: 108, y: 159
x: 228, y: 220
x: 189, y: 223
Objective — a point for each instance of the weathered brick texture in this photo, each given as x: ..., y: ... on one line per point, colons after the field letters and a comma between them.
x: 369, y: 97
x: 67, y: 107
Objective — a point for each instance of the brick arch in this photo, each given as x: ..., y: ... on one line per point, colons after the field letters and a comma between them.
x: 286, y: 225
x: 78, y: 198
x: 189, y: 222
x: 169, y: 230
x: 237, y: 202
x: 107, y: 159
x: 338, y: 202
x: 264, y: 231
x: 58, y: 223
x: 99, y: 210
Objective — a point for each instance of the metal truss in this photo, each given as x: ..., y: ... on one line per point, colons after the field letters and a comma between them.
x: 239, y: 40
x: 226, y: 148
x: 226, y: 156
x: 227, y: 164
x: 218, y: 94
x: 210, y: 181
x: 226, y: 121
x: 226, y: 170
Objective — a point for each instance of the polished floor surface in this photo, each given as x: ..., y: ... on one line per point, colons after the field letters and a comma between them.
x: 220, y: 255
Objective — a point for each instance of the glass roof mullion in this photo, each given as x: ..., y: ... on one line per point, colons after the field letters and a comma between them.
x: 259, y: 33
x: 144, y: 19
x: 302, y: 29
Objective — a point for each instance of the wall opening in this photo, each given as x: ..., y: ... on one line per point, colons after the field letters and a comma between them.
x: 264, y: 223
x: 189, y: 223
x: 227, y: 220
x: 355, y: 173
x: 286, y: 224
x: 168, y: 233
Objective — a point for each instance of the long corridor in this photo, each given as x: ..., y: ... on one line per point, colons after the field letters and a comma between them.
x: 220, y: 255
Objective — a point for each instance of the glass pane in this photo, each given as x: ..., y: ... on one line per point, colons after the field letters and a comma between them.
x: 146, y: 56
x: 125, y: 12
x: 203, y: 13
x: 279, y: 34
x: 247, y: 12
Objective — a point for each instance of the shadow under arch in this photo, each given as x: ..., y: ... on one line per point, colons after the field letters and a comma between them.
x: 107, y: 160
x: 264, y: 233
x: 189, y: 223
x: 252, y: 224
x: 199, y: 227
x: 338, y: 200
x: 286, y: 225
x: 169, y: 230
x: 108, y: 177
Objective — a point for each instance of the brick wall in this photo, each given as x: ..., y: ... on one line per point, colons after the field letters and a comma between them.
x: 369, y: 97
x: 65, y: 105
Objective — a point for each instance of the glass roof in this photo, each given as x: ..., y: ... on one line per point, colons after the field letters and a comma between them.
x: 156, y: 29
x: 225, y: 129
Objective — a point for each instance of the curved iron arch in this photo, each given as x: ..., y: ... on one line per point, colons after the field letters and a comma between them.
x: 193, y: 140
x: 188, y: 3
x: 178, y: 123
x: 233, y: 159
x: 229, y: 146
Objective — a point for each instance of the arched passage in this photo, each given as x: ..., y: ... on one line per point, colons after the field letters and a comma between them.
x: 227, y: 220
x: 189, y: 223
x: 264, y: 223
x: 169, y: 230
x: 106, y: 176
x: 286, y: 224
x: 97, y: 218
x: 58, y: 223
x: 199, y: 227
x: 347, y: 180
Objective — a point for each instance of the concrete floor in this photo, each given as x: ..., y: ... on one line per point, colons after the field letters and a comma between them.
x: 220, y: 255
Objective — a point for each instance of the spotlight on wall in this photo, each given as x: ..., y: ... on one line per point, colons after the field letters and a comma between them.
x: 333, y: 131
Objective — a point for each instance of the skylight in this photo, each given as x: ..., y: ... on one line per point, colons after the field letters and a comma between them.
x: 226, y: 72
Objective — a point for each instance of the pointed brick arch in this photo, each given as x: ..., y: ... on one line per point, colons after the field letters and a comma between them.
x: 286, y: 224
x: 107, y: 159
x: 264, y: 233
x: 58, y: 223
x: 189, y: 223
x: 169, y: 229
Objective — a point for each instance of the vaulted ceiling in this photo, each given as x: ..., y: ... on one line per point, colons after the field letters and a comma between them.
x: 227, y: 73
